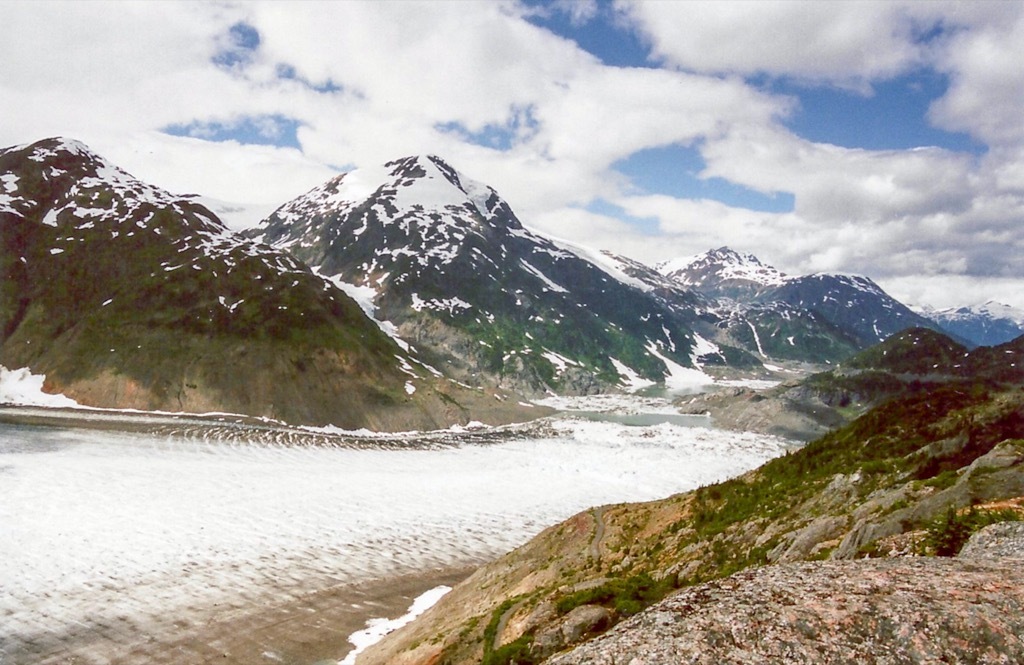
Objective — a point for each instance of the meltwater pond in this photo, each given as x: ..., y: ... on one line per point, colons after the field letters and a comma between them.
x: 137, y: 531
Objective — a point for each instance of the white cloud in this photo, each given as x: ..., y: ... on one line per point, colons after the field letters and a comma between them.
x: 226, y: 170
x: 952, y: 290
x: 987, y: 80
x: 424, y: 77
x: 833, y: 184
x: 847, y: 43
x: 579, y: 11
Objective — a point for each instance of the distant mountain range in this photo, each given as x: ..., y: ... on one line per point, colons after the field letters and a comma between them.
x: 406, y: 288
x: 819, y: 318
x: 988, y: 324
x: 448, y: 262
x: 855, y: 304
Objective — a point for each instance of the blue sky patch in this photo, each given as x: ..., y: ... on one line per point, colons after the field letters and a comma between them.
x: 673, y: 171
x: 602, y: 36
x: 894, y: 117
x: 242, y: 41
x: 288, y: 72
x: 520, y: 125
x: 275, y: 130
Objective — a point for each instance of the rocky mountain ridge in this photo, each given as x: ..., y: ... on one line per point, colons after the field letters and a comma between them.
x: 723, y: 272
x: 440, y: 263
x: 858, y: 311
x: 126, y: 296
x: 448, y: 262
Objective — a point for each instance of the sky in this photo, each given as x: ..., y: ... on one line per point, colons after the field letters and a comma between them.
x: 875, y: 138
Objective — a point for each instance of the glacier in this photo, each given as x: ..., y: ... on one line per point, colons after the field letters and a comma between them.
x: 139, y: 532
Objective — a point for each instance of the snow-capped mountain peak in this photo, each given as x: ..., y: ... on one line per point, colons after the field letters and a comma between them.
x: 74, y: 174
x: 723, y: 271
x: 62, y: 184
x: 452, y: 267
x: 990, y: 309
x: 423, y: 189
x: 987, y: 324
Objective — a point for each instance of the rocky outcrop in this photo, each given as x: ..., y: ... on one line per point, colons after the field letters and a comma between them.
x: 786, y: 410
x: 868, y: 611
x: 576, y: 625
x: 916, y: 610
x: 996, y: 540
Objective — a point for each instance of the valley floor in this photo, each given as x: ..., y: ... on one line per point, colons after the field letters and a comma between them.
x: 191, y: 541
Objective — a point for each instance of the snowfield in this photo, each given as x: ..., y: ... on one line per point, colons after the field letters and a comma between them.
x: 133, y: 532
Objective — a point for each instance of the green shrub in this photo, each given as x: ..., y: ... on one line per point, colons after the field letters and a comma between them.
x: 627, y: 596
x: 948, y: 534
x: 517, y: 652
x: 945, y: 479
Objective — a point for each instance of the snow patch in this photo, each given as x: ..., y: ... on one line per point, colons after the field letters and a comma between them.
x: 377, y: 629
x: 702, y: 347
x: 755, y: 384
x: 432, y: 191
x: 680, y: 378
x: 557, y: 288
x: 449, y: 305
x: 605, y: 261
x: 22, y: 387
x: 628, y: 378
x: 561, y: 363
x: 757, y: 339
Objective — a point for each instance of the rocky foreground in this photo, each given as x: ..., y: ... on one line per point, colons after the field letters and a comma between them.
x: 769, y: 566
x: 910, y: 610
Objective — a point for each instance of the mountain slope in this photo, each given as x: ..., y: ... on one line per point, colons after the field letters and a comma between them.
x: 483, y: 297
x: 851, y: 302
x: 919, y: 351
x: 127, y: 296
x: 900, y: 480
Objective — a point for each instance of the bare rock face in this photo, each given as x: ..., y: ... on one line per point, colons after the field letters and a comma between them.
x: 867, y: 611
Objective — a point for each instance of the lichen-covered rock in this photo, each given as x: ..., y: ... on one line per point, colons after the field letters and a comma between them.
x: 997, y: 540
x: 581, y: 622
x: 804, y: 541
x: 868, y: 611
